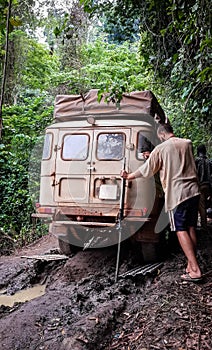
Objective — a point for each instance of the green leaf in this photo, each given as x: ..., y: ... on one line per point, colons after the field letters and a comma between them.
x: 15, y: 21
x: 56, y: 31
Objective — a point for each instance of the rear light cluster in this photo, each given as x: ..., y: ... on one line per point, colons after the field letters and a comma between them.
x: 44, y: 210
x: 137, y: 212
x: 144, y: 210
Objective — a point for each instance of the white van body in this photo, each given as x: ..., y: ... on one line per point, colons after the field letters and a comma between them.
x: 81, y: 188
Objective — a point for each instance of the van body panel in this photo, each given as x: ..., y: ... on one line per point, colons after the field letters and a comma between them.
x: 47, y: 192
x: 122, y: 121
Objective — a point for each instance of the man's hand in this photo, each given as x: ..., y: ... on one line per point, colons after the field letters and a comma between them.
x: 126, y: 175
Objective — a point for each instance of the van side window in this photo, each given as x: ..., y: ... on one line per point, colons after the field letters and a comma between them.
x: 47, y: 148
x: 110, y: 146
x: 75, y: 146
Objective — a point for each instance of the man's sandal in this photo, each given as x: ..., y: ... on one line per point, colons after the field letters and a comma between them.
x: 186, y: 277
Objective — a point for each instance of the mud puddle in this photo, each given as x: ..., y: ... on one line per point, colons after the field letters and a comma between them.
x: 82, y: 308
x: 22, y: 296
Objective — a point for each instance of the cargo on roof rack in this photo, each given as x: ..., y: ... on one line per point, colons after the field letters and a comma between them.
x: 133, y: 103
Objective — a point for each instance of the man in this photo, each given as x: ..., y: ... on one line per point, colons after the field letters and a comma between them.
x: 145, y: 146
x: 204, y: 172
x: 174, y: 160
x: 146, y: 154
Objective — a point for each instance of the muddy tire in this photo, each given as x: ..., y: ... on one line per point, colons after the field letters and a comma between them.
x: 67, y: 248
x: 145, y: 252
x: 149, y: 252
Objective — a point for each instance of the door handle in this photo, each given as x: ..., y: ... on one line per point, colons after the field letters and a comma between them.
x: 91, y: 168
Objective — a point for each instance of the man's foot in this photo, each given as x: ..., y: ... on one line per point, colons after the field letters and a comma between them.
x: 186, y: 277
x: 188, y: 268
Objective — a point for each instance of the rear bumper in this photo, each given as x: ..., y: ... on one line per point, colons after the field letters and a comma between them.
x: 79, y: 233
x: 42, y: 216
x: 97, y: 223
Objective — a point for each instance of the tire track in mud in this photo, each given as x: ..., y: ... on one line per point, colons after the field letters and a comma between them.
x: 83, y: 309
x: 75, y: 290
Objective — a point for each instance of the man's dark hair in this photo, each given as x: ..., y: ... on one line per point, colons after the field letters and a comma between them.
x: 144, y: 144
x: 167, y: 128
x: 201, y: 149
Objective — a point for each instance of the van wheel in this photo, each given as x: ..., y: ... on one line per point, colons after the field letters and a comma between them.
x: 149, y: 252
x: 145, y: 252
x: 67, y: 248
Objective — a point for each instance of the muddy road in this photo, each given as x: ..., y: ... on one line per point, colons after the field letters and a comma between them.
x: 75, y: 304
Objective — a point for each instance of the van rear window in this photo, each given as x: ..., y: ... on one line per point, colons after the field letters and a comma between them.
x: 47, y: 148
x: 110, y: 146
x: 75, y: 146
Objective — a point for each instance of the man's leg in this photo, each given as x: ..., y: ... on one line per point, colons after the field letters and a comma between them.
x: 192, y: 234
x: 187, y: 246
x: 204, y: 194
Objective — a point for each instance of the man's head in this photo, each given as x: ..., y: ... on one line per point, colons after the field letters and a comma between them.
x: 201, y: 149
x: 165, y: 131
x: 145, y: 146
x: 146, y: 154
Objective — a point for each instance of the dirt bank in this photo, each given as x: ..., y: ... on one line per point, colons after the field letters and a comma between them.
x: 83, y: 309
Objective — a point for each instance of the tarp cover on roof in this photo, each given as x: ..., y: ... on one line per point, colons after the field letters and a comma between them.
x: 138, y: 103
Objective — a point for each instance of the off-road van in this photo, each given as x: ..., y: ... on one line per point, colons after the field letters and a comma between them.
x: 81, y: 188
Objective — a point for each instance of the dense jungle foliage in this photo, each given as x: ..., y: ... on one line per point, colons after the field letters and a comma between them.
x: 53, y: 47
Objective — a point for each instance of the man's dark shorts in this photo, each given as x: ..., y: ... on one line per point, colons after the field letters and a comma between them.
x: 185, y: 215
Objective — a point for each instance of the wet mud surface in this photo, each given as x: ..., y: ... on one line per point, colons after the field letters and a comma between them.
x: 84, y: 309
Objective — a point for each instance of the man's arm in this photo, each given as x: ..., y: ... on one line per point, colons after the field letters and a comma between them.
x: 148, y: 169
x: 128, y: 176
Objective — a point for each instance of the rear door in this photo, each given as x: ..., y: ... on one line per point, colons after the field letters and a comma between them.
x: 88, y: 164
x: 73, y: 166
x: 110, y: 148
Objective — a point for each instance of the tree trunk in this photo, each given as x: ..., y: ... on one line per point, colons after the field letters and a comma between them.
x: 4, y: 73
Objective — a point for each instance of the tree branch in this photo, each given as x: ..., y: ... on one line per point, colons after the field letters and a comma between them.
x: 188, y: 98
